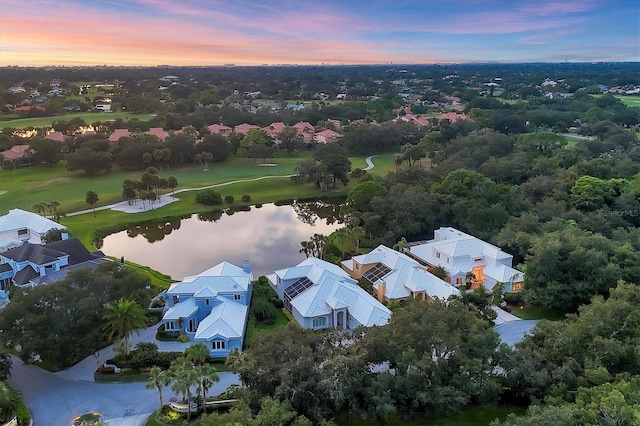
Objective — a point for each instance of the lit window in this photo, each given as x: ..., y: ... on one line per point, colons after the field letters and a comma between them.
x: 218, y: 344
x: 458, y: 281
x: 517, y: 286
x: 236, y: 297
x: 449, y: 280
x: 319, y: 322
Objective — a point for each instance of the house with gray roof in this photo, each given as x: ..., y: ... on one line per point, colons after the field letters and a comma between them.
x: 34, y: 264
x: 321, y: 295
x: 20, y: 226
x: 211, y: 307
x: 461, y: 255
x: 395, y: 276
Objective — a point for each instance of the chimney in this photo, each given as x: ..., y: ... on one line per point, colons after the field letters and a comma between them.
x: 246, y: 266
x: 382, y: 290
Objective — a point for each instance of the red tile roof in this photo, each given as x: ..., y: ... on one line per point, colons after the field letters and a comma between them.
x: 15, y: 152
x: 453, y: 117
x: 159, y: 132
x: 56, y: 136
x: 119, y: 133
x: 244, y: 128
x: 274, y: 128
x: 219, y: 129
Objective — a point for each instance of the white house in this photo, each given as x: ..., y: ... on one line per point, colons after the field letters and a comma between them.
x: 211, y: 307
x: 321, y: 295
x: 461, y: 254
x: 20, y: 226
x: 395, y: 276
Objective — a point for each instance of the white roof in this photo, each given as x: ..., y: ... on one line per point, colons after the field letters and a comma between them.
x: 20, y: 219
x: 181, y: 310
x: 227, y: 319
x: 455, y: 243
x: 222, y: 278
x: 333, y: 289
x: 504, y: 274
x: 406, y: 275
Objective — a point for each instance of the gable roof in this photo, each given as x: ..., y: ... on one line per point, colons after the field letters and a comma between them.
x: 15, y: 152
x: 20, y: 219
x: 455, y: 243
x: 406, y: 275
x: 76, y: 251
x: 227, y: 319
x: 25, y: 275
x: 224, y: 277
x: 244, y: 127
x: 333, y: 289
x: 119, y: 133
x: 159, y: 132
x: 33, y: 253
x: 62, y: 273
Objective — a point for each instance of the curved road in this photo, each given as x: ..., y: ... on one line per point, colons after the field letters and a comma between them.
x: 56, y: 398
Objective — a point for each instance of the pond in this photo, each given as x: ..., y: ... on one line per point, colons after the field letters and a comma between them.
x: 269, y: 236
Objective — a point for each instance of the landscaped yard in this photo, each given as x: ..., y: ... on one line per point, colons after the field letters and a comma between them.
x: 529, y: 312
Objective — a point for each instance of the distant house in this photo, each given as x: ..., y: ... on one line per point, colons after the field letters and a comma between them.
x: 211, y: 307
x: 327, y: 136
x: 103, y: 106
x: 119, y: 133
x: 321, y: 295
x: 395, y: 276
x: 461, y: 255
x: 244, y: 128
x: 159, y: 132
x: 16, y: 152
x: 34, y: 264
x: 219, y: 129
x: 453, y: 117
x: 56, y: 136
x: 274, y: 129
x: 305, y: 129
x: 20, y: 226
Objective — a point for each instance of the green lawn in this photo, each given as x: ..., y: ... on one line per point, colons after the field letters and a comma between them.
x: 529, y: 312
x: 628, y: 100
x: 469, y: 417
x: 89, y: 117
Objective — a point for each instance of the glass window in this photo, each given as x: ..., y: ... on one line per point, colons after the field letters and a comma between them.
x: 219, y: 344
x: 236, y: 297
x: 319, y: 322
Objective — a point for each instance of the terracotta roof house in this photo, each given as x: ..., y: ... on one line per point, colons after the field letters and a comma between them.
x: 20, y: 226
x: 159, y: 132
x: 461, y: 254
x: 327, y: 136
x: 274, y: 128
x: 211, y: 307
x: 219, y: 129
x: 34, y: 264
x: 395, y: 276
x: 119, y: 133
x: 16, y: 152
x: 306, y: 130
x: 244, y: 128
x: 56, y: 136
x: 453, y: 117
x: 321, y: 295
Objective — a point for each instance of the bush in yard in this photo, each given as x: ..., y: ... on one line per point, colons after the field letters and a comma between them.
x: 228, y: 199
x: 246, y: 198
x: 514, y: 298
x: 208, y: 197
x: 279, y: 304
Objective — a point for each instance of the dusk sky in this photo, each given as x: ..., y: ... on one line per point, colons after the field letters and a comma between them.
x: 256, y: 32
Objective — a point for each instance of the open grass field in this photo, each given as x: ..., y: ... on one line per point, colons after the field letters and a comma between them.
x: 89, y: 117
x: 30, y: 185
x: 628, y: 100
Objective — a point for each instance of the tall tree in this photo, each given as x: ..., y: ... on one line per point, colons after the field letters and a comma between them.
x: 122, y: 319
x: 158, y: 379
x: 92, y: 199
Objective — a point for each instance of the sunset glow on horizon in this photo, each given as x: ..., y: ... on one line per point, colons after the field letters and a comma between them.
x: 166, y: 32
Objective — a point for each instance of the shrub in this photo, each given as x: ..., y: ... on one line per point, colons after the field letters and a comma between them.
x: 263, y: 280
x: 228, y: 199
x: 246, y: 198
x: 208, y: 197
x: 268, y: 321
x: 279, y: 304
x: 514, y: 298
x: 183, y: 338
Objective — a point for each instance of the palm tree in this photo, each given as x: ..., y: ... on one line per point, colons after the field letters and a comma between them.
x: 122, y: 318
x: 92, y: 199
x: 207, y: 376
x: 158, y: 378
x: 183, y: 376
x: 197, y: 354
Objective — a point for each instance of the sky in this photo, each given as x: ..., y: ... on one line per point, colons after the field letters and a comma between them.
x: 305, y: 32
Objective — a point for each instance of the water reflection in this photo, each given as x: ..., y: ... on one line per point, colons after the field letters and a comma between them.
x: 269, y: 236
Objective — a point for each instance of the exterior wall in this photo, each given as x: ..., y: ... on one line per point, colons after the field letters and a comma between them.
x: 357, y: 273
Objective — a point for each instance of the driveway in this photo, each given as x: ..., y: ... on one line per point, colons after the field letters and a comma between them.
x: 56, y: 398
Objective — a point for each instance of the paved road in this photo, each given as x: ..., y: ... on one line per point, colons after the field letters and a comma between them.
x: 56, y: 398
